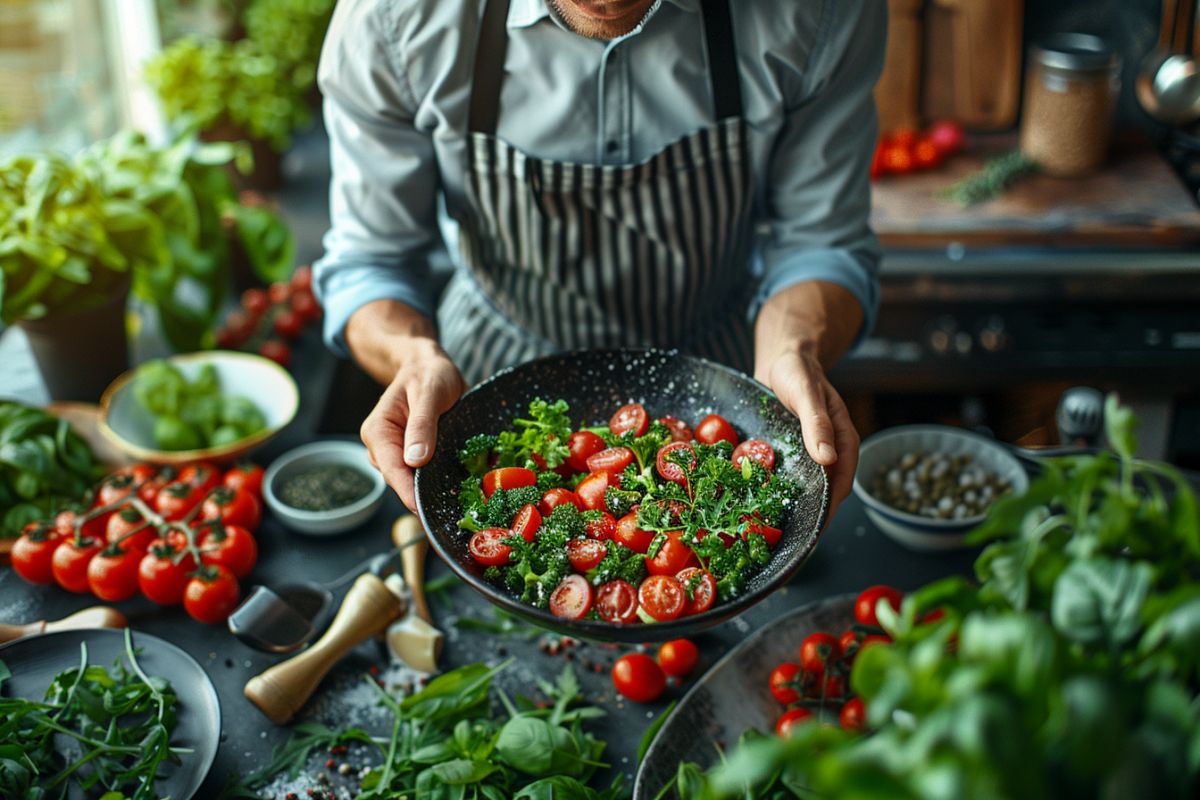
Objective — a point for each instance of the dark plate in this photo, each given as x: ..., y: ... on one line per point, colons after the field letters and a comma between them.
x: 595, y: 383
x: 733, y: 695
x: 35, y: 660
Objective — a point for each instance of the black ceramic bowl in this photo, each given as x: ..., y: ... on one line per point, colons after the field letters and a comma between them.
x: 595, y: 383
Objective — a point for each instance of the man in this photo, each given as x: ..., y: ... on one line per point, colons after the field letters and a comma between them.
x: 679, y: 173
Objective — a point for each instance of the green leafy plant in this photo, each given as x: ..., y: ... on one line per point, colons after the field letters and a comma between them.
x: 192, y: 414
x: 292, y: 31
x: 74, y: 231
x: 1071, y: 670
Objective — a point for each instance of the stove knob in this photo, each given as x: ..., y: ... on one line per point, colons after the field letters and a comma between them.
x: 992, y: 335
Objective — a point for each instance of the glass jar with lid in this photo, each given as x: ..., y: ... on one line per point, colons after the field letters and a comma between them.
x: 1071, y: 90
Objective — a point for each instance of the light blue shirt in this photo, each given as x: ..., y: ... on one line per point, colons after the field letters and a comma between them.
x: 396, y: 78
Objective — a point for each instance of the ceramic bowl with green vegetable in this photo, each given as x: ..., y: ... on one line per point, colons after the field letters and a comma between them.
x: 214, y: 406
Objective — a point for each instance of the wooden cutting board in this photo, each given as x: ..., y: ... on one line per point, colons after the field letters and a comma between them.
x: 1137, y: 201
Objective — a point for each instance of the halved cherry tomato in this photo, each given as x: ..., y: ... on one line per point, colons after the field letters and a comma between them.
x: 177, y: 499
x: 631, y: 417
x: 868, y: 601
x: 527, y: 521
x: 33, y: 552
x: 553, y: 498
x: 591, y: 489
x: 488, y: 548
x: 672, y: 557
x: 231, y: 546
x: 586, y: 554
x: 616, y: 601
x: 715, y: 428
x: 123, y: 523
x: 678, y: 657
x: 572, y: 598
x: 853, y: 716
x: 582, y: 445
x: 232, y: 507
x: 819, y: 650
x: 639, y: 677
x: 163, y: 571
x: 772, y: 535
x: 507, y: 478
x: 629, y: 534
x: 121, y: 483
x: 603, y: 528
x: 112, y: 574
x: 755, y: 450
x: 614, y: 459
x: 667, y: 466
x: 70, y: 562
x: 680, y: 432
x: 789, y: 720
x: 783, y: 682
x: 211, y: 595
x: 662, y: 597
x: 245, y: 476
x: 701, y: 592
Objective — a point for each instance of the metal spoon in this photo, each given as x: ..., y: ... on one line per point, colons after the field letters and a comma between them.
x: 1168, y: 84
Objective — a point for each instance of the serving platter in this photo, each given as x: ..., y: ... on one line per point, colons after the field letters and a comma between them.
x: 733, y: 695
x: 594, y: 383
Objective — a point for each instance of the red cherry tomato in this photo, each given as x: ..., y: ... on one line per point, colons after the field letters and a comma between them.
x: 163, y: 571
x: 873, y: 638
x: 933, y: 616
x: 488, y: 548
x: 305, y: 306
x: 603, y: 528
x: 926, y: 155
x: 662, y: 597
x: 616, y: 601
x: 897, y: 159
x: 255, y: 302
x: 553, y: 498
x: 591, y: 489
x: 853, y: 716
x: 678, y: 657
x: 701, y: 592
x: 586, y: 554
x: 120, y: 484
x: 629, y: 534
x: 631, y: 417
x: 230, y: 546
x: 32, y: 553
x: 288, y: 324
x: 527, y: 521
x: 789, y: 720
x: 91, y: 528
x: 715, y: 428
x: 614, y: 459
x: 507, y: 478
x: 279, y: 292
x: 680, y: 432
x: 948, y: 136
x: 638, y: 677
x: 903, y: 137
x: 238, y: 327
x: 176, y: 500
x: 755, y: 450
x: 121, y: 527
x: 819, y: 650
x: 827, y: 686
x: 211, y: 595
x: 572, y: 598
x: 672, y: 557
x: 771, y: 534
x: 232, y: 507
x: 302, y: 278
x: 277, y: 351
x: 70, y: 563
x: 868, y: 600
x: 112, y: 574
x: 667, y: 465
x: 848, y: 641
x: 245, y: 476
x: 581, y: 446
x: 202, y: 475
x: 783, y: 681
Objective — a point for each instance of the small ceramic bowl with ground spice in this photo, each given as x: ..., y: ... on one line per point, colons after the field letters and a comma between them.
x: 324, y: 488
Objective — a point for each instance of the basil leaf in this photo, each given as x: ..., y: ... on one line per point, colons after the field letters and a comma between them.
x: 1100, y: 600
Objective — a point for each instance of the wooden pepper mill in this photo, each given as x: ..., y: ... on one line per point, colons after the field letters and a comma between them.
x: 94, y: 617
x: 368, y: 609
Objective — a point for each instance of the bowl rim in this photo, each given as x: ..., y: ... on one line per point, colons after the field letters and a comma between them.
x: 205, y: 453
x: 321, y: 446
x: 930, y: 524
x: 611, y: 631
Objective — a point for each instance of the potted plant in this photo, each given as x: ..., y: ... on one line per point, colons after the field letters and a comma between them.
x: 231, y: 91
x: 77, y: 235
x: 293, y: 31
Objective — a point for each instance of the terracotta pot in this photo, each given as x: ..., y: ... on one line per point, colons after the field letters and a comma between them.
x: 79, y: 353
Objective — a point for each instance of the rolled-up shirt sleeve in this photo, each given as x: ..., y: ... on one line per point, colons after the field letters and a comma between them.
x: 818, y: 199
x: 384, y: 187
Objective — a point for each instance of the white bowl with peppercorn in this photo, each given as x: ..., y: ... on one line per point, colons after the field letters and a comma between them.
x: 927, y: 486
x: 324, y: 488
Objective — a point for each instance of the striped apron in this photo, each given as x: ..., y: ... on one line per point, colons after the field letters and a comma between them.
x: 565, y: 256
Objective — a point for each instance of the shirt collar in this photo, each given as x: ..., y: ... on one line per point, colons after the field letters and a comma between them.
x: 525, y: 13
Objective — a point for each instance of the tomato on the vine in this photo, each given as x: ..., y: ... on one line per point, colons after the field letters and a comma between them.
x: 233, y: 507
x: 121, y: 527
x: 947, y: 136
x: 112, y: 574
x: 288, y: 324
x: 572, y: 598
x: 715, y: 428
x: 230, y: 546
x: 818, y: 651
x: 163, y: 572
x: 276, y: 351
x: 853, y: 716
x: 789, y: 719
x: 201, y: 475
x: 245, y: 476
x: 678, y: 657
x: 867, y: 602
x: 630, y: 417
x: 255, y: 302
x: 279, y: 292
x: 639, y: 677
x: 926, y: 154
x: 305, y: 306
x: 826, y: 686
x: 783, y: 681
x: 32, y: 552
x: 211, y: 595
x: 897, y: 159
x: 176, y: 500
x: 848, y: 641
x: 70, y: 562
x: 121, y: 483
x: 66, y: 520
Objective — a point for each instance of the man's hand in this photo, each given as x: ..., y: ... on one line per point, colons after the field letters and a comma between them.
x: 398, y: 347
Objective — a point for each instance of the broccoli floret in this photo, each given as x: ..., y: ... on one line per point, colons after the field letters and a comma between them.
x: 497, y: 514
x: 476, y: 452
x: 493, y: 575
x: 548, y: 480
x: 565, y: 522
x: 536, y: 568
x: 515, y: 498
x: 619, y: 501
x: 732, y: 566
x: 619, y: 563
x: 470, y: 494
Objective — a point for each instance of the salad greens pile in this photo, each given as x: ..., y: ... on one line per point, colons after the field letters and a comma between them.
x: 43, y: 464
x: 1072, y: 670
x: 120, y: 722
x: 447, y: 741
x: 193, y: 414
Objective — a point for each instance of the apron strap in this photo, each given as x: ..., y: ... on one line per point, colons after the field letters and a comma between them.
x: 493, y: 46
